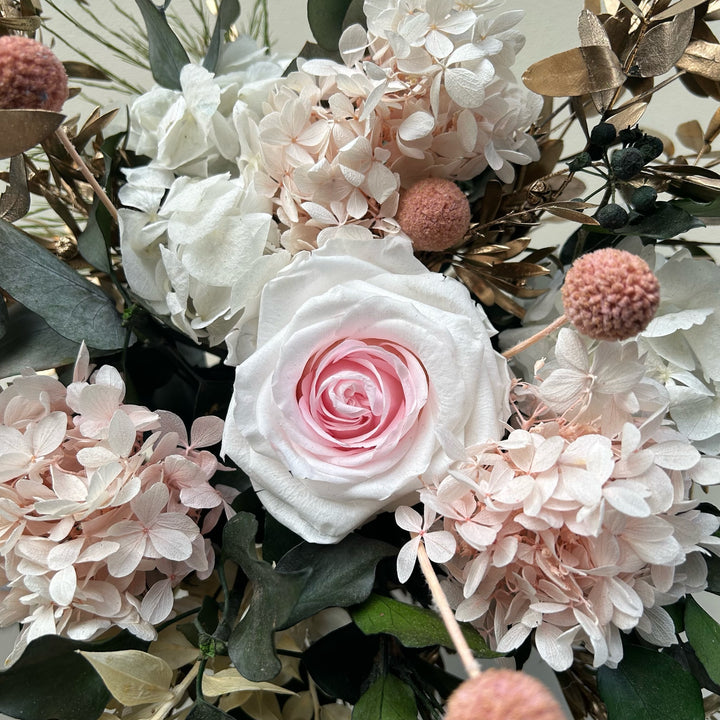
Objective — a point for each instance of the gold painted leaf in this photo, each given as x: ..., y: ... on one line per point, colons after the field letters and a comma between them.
x: 568, y: 214
x: 15, y: 201
x: 84, y: 70
x: 701, y: 58
x: 676, y: 9
x: 29, y: 23
x: 592, y: 32
x: 713, y: 128
x: 691, y: 135
x: 230, y: 680
x: 575, y: 72
x: 663, y: 45
x: 132, y: 677
x: 628, y: 116
x: 24, y: 129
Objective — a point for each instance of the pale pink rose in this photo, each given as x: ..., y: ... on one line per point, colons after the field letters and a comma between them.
x: 368, y: 369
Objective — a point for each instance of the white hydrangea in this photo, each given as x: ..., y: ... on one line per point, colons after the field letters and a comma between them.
x: 202, y: 253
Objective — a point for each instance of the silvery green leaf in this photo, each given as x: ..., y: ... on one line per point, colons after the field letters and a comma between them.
x: 70, y: 304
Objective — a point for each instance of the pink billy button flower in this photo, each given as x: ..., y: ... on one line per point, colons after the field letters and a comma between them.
x: 434, y: 213
x: 502, y: 694
x: 30, y: 75
x: 610, y: 294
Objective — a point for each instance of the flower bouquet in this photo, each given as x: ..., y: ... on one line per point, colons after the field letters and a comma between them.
x: 303, y: 419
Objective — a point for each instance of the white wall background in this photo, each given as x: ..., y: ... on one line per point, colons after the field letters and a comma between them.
x: 549, y: 25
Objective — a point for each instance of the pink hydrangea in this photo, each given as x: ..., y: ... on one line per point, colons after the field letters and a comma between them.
x: 99, y: 506
x: 572, y: 531
x: 422, y: 93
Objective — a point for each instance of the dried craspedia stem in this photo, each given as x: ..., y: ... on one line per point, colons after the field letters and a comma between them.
x: 503, y: 694
x: 31, y: 77
x: 610, y: 294
x: 434, y: 213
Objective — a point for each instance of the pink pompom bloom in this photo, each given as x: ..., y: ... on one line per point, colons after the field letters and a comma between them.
x: 502, y: 694
x: 98, y: 523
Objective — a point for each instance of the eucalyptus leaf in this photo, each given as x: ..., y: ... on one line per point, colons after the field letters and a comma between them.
x: 388, y: 698
x: 355, y: 14
x: 4, y: 321
x: 337, y: 575
x: 413, y: 626
x: 203, y: 710
x: 704, y: 636
x: 648, y: 685
x: 701, y: 58
x: 228, y: 13
x: 250, y: 646
x: 29, y: 342
x: 15, y: 201
x: 70, y: 304
x: 662, y: 46
x: 326, y: 19
x: 166, y: 53
x: 575, y: 72
x: 24, y: 129
x: 668, y: 221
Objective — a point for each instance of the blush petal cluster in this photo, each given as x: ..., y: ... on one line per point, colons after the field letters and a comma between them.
x: 99, y: 506
x: 573, y: 532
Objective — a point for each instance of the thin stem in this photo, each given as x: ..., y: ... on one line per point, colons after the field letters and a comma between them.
x: 448, y: 616
x: 85, y: 170
x: 314, y: 696
x: 554, y: 325
x: 177, y: 693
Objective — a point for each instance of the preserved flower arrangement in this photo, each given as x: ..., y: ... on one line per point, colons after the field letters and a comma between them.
x: 301, y: 421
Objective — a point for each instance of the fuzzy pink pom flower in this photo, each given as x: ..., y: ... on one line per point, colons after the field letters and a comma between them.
x: 610, y: 294
x: 98, y: 523
x: 434, y: 213
x: 501, y: 694
x: 30, y: 75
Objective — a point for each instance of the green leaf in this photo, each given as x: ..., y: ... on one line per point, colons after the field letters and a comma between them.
x: 355, y: 14
x: 4, y: 322
x: 94, y: 241
x: 388, y: 698
x: 667, y: 222
x: 413, y: 626
x: 704, y: 636
x: 700, y: 209
x: 649, y: 685
x: 250, y: 646
x: 337, y: 575
x: 202, y: 710
x: 31, y: 343
x: 167, y: 55
x: 51, y: 680
x: 337, y: 672
x: 326, y: 19
x: 228, y: 13
x: 713, y: 576
x: 70, y: 304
